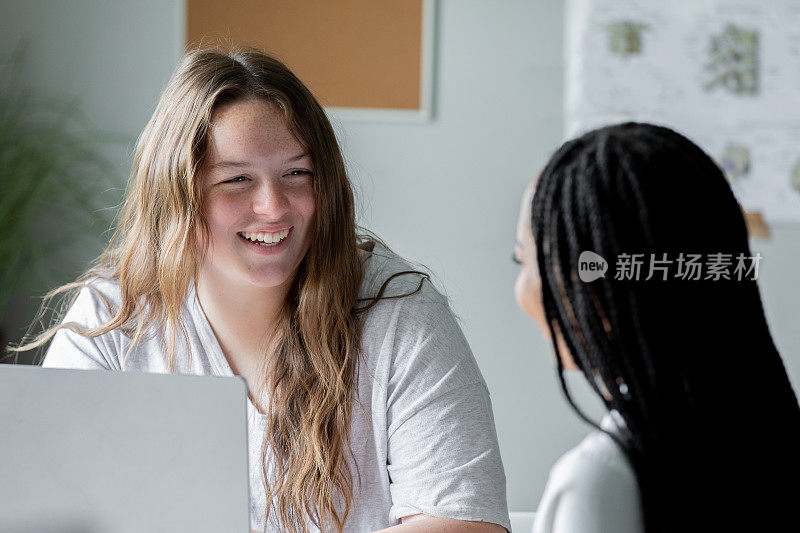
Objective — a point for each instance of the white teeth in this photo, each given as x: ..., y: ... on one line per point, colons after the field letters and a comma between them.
x: 266, y: 238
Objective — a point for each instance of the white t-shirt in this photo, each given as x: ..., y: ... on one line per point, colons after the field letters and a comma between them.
x: 592, y: 488
x: 428, y: 444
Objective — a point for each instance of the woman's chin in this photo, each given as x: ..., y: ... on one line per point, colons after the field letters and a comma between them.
x: 271, y: 281
x: 273, y: 276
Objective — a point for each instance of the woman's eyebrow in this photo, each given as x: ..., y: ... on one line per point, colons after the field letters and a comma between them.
x: 229, y: 164
x: 297, y: 157
x: 241, y: 164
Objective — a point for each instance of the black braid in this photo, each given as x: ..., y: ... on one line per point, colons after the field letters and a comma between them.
x: 687, y: 364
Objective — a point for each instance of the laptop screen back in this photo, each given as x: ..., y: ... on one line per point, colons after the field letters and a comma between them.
x: 121, y: 452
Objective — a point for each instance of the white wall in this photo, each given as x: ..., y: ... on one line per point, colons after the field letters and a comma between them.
x: 444, y: 193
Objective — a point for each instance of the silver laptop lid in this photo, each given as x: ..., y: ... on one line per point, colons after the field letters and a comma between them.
x: 121, y: 452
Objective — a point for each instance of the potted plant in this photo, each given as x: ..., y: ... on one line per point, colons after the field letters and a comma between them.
x: 54, y: 183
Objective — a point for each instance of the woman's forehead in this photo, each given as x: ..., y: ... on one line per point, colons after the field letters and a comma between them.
x: 250, y: 128
x: 524, y: 236
x: 527, y: 199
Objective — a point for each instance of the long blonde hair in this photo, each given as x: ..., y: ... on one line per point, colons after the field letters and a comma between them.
x: 312, y: 371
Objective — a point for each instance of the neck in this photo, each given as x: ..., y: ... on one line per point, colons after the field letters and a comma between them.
x: 245, y: 305
x: 241, y: 317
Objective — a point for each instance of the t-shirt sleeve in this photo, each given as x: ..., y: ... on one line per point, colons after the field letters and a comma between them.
x: 586, y: 493
x: 70, y: 349
x: 443, y: 456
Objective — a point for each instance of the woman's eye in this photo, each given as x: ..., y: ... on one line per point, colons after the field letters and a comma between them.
x: 299, y: 172
x: 237, y: 179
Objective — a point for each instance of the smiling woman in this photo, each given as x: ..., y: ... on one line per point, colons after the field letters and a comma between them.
x: 236, y: 252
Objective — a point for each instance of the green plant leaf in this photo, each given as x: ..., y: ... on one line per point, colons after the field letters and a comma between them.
x: 53, y: 177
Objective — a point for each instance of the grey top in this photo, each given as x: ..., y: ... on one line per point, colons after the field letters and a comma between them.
x: 426, y: 441
x: 592, y: 488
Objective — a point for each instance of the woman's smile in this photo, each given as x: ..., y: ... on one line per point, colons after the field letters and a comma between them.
x: 266, y: 243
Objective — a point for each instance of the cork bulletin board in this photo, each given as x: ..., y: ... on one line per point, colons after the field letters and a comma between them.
x: 363, y: 59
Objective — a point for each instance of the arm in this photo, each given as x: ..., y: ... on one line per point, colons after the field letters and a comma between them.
x: 421, y: 523
x: 443, y: 459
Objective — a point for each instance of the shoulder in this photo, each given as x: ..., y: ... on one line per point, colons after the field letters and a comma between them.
x: 591, y: 488
x: 71, y: 346
x: 411, y: 329
x: 398, y: 294
x: 96, y: 302
x: 593, y: 464
x: 396, y: 277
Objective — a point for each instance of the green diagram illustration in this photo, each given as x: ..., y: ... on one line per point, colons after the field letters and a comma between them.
x: 735, y: 161
x: 796, y: 176
x: 625, y: 37
x: 733, y: 61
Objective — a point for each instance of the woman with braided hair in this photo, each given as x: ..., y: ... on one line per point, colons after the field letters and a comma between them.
x: 703, y: 427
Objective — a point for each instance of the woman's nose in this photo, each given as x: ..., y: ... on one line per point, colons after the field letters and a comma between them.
x: 271, y: 200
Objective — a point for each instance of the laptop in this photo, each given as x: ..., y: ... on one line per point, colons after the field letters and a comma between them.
x: 85, y: 451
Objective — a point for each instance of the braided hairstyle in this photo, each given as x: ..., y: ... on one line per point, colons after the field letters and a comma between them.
x: 713, y: 425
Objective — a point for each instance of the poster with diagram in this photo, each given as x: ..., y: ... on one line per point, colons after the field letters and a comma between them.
x: 725, y: 73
